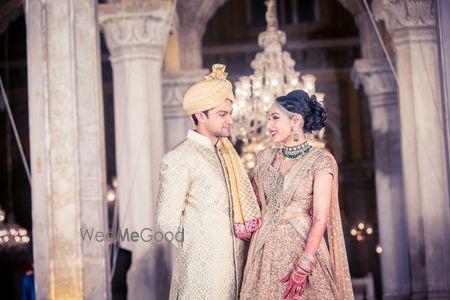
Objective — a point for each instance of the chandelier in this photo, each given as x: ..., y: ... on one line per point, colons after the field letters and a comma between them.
x: 274, y: 75
x: 13, y: 238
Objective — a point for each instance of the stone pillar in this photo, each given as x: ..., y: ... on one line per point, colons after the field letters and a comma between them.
x: 381, y: 89
x: 412, y: 26
x: 176, y: 121
x: 136, y: 34
x: 67, y: 149
x: 443, y: 10
x: 183, y: 64
x: 193, y: 17
x: 370, y: 46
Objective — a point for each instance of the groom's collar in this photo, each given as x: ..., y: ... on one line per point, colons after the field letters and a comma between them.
x: 199, y: 138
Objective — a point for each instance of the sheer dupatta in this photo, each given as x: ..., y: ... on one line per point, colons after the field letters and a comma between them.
x: 336, y: 244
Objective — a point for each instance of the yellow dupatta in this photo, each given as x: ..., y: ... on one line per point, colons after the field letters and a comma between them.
x: 246, y: 212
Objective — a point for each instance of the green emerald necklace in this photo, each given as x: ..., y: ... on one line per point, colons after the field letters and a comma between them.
x: 297, y: 150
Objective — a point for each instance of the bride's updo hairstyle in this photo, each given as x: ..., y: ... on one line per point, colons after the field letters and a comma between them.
x: 312, y: 112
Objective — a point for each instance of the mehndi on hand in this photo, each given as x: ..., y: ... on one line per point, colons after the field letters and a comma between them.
x: 297, y: 278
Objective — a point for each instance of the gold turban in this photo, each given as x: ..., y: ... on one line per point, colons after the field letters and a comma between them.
x: 209, y: 92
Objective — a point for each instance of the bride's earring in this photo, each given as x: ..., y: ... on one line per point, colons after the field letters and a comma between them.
x: 296, y: 136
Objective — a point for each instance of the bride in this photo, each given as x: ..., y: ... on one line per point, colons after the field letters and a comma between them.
x: 297, y: 184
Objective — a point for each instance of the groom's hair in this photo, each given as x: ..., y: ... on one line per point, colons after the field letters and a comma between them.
x: 195, y: 118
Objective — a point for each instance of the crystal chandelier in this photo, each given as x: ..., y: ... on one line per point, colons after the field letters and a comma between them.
x: 274, y: 75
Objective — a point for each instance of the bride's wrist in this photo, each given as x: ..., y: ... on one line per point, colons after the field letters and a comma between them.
x: 306, y: 263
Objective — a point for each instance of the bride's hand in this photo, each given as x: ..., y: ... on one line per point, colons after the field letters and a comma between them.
x: 296, y: 283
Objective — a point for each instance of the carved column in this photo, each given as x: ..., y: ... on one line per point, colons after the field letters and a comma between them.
x: 443, y: 9
x: 412, y: 25
x: 374, y: 74
x: 67, y: 149
x: 136, y: 34
x: 183, y: 64
x: 193, y: 18
x: 177, y: 123
x: 381, y: 89
x: 370, y: 46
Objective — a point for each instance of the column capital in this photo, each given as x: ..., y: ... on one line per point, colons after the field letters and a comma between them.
x: 174, y: 87
x: 413, y: 20
x: 136, y: 30
x: 370, y: 46
x: 377, y: 79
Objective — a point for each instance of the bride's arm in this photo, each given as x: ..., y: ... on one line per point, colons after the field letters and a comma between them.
x: 321, y: 207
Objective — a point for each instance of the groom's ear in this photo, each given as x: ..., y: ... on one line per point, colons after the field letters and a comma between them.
x: 202, y: 117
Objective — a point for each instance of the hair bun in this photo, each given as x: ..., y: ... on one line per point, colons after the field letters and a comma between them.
x: 312, y: 111
x: 317, y: 116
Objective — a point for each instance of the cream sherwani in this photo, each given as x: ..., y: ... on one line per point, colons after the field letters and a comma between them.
x: 194, y: 197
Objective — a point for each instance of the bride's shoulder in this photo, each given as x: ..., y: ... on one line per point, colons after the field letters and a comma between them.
x: 324, y: 159
x: 325, y: 153
x: 328, y: 155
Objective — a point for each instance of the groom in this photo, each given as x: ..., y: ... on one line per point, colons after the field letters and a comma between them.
x: 205, y: 194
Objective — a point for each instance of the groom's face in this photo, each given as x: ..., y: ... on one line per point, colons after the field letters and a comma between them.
x: 219, y: 121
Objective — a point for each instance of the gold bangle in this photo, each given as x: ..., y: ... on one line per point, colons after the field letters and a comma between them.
x: 303, y: 270
x: 298, y: 269
x: 308, y: 256
x: 307, y: 264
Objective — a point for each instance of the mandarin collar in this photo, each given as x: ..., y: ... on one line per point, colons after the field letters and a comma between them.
x: 200, y: 138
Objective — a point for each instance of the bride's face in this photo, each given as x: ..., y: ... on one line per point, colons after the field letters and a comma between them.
x: 279, y: 125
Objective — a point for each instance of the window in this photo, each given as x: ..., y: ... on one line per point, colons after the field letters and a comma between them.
x: 289, y: 12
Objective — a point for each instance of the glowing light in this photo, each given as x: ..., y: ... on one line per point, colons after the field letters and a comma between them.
x: 379, y: 249
x: 110, y: 195
x: 309, y: 82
